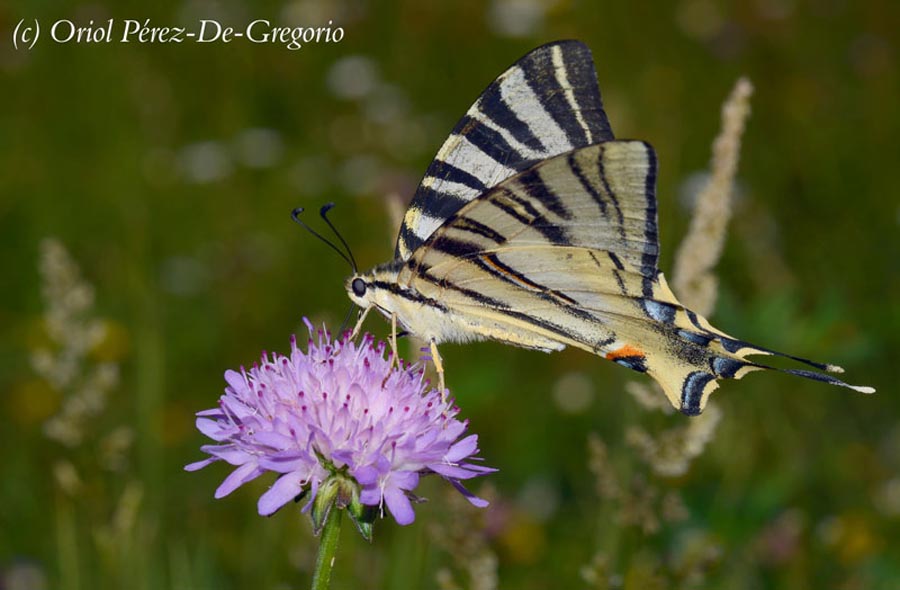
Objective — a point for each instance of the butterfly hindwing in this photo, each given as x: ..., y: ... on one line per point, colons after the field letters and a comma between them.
x: 564, y: 254
x: 545, y: 104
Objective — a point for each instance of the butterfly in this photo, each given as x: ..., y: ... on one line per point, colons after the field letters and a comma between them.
x: 535, y: 227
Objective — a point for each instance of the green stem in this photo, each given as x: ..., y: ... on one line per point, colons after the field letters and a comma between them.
x: 331, y: 533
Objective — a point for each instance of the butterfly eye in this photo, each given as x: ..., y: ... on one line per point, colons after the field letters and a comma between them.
x: 359, y: 287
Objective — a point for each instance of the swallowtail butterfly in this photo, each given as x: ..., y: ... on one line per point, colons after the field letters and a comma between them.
x: 535, y: 227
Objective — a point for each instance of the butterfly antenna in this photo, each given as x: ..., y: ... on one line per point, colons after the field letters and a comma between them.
x: 324, y: 213
x: 295, y: 215
x: 346, y: 321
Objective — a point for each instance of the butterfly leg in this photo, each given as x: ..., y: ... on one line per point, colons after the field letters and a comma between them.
x: 439, y: 368
x: 395, y: 358
x: 362, y: 317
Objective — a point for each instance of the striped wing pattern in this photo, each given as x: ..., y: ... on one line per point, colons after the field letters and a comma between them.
x: 564, y: 253
x: 547, y: 103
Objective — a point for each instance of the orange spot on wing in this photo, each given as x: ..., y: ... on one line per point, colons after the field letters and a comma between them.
x: 625, y: 351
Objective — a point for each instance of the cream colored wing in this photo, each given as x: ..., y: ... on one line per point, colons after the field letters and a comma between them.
x: 565, y: 254
x: 545, y: 104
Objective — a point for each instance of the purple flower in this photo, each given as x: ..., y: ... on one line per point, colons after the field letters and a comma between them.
x: 338, y: 410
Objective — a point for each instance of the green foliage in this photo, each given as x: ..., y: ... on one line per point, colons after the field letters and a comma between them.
x: 169, y: 173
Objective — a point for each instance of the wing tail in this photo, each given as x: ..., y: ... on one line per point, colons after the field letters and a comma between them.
x: 708, y: 358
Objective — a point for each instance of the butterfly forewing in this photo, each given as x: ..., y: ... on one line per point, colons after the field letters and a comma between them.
x: 564, y: 254
x: 546, y: 104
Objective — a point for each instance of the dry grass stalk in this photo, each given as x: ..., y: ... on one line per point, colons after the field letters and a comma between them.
x: 649, y: 396
x: 73, y: 333
x: 638, y: 500
x: 701, y: 248
x: 461, y: 535
x: 670, y: 452
x: 606, y: 483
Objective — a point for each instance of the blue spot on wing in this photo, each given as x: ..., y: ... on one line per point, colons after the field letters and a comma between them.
x: 635, y: 363
x: 726, y: 367
x: 659, y: 311
x: 692, y: 392
x: 694, y: 337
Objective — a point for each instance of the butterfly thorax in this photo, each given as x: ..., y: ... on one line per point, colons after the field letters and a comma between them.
x: 383, y: 288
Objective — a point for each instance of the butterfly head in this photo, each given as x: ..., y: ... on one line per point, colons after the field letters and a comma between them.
x: 376, y: 288
x: 360, y: 290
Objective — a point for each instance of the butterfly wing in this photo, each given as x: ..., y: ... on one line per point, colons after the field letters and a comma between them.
x: 545, y: 104
x: 565, y: 254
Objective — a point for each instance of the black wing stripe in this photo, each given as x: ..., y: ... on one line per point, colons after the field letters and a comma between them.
x: 443, y: 171
x: 616, y: 273
x: 483, y: 300
x: 585, y: 183
x: 582, y: 78
x: 554, y: 233
x: 489, y: 142
x: 439, y: 206
x: 492, y: 265
x: 651, y: 234
x: 511, y: 275
x: 541, y: 77
x: 505, y: 206
x: 532, y: 184
x: 601, y: 170
x: 460, y: 249
x: 692, y: 392
x: 615, y: 260
x: 492, y: 107
x: 478, y: 228
x: 479, y: 298
x: 408, y: 294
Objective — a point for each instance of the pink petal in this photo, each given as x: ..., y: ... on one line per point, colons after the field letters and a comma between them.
x: 366, y: 475
x: 286, y: 488
x: 229, y: 453
x: 462, y: 449
x: 370, y: 496
x: 472, y: 498
x: 453, y: 471
x: 200, y: 464
x: 276, y: 440
x: 236, y: 381
x: 282, y: 465
x: 453, y: 430
x: 241, y: 475
x: 209, y: 428
x: 399, y: 505
x: 407, y: 480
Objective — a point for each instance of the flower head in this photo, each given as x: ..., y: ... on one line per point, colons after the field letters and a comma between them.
x: 339, y: 410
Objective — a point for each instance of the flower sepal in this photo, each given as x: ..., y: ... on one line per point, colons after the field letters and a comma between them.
x: 336, y: 491
x: 340, y: 491
x: 363, y: 517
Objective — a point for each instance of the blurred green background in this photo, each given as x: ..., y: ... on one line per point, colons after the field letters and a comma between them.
x: 169, y: 171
